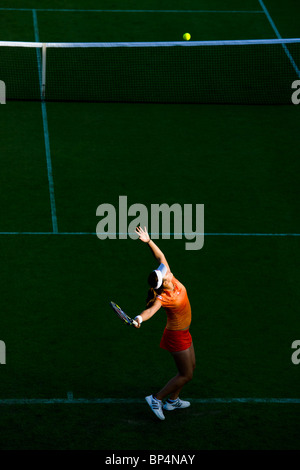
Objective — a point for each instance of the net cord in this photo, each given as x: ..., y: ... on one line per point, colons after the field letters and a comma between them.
x: 148, y: 44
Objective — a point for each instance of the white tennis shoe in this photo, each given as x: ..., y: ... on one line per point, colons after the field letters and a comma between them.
x: 175, y: 405
x: 156, y: 406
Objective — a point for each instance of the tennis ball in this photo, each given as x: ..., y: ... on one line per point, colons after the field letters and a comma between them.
x: 186, y: 36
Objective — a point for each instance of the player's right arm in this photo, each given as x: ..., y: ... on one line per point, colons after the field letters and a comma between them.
x: 157, y: 253
x: 148, y: 312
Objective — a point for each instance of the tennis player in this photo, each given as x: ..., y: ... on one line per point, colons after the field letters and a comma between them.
x: 167, y: 292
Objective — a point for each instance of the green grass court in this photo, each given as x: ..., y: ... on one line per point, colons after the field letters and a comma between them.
x: 241, y: 162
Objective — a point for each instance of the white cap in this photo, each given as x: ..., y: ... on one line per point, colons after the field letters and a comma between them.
x: 161, y: 271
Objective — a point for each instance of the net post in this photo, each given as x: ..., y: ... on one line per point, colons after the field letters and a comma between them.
x: 43, y: 90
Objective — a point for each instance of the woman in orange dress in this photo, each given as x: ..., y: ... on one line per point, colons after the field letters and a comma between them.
x: 167, y: 292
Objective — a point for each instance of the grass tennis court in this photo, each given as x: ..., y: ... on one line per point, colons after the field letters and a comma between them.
x: 242, y: 162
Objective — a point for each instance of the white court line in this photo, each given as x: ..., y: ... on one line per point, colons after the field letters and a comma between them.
x: 286, y: 50
x: 46, y: 130
x: 70, y: 400
x: 73, y: 10
x: 220, y: 234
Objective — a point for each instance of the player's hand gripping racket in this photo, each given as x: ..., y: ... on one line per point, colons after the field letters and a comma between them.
x: 122, y: 315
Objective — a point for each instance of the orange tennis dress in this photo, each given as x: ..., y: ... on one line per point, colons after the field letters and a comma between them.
x: 176, y: 336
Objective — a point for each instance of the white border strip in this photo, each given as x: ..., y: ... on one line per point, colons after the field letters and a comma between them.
x: 150, y: 44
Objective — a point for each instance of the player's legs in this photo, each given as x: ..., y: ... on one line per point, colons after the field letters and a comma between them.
x: 185, y: 362
x: 175, y: 394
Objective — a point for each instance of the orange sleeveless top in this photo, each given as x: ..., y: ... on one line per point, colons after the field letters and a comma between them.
x: 177, y: 306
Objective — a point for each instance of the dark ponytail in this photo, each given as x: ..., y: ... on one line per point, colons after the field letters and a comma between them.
x: 152, y: 292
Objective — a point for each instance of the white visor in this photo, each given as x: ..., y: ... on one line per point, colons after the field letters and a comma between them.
x: 161, y: 271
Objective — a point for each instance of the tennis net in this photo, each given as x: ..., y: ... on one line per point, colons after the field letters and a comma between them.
x: 237, y: 72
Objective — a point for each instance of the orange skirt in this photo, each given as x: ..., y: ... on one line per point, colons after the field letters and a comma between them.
x: 176, y: 340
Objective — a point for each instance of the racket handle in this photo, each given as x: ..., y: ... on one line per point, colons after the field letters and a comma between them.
x: 135, y: 323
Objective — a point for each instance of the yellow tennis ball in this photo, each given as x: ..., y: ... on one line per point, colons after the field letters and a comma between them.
x: 186, y: 36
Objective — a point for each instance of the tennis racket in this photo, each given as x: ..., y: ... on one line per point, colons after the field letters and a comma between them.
x: 122, y: 315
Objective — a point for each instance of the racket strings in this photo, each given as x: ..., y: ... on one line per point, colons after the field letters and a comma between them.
x: 121, y: 314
